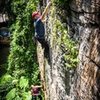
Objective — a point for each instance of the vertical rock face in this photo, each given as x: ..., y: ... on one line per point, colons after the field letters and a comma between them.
x: 54, y: 67
x: 57, y: 77
x: 88, y: 75
x: 83, y: 25
x: 85, y: 22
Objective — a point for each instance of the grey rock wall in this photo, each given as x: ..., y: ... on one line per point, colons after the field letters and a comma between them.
x: 56, y: 74
x: 83, y: 20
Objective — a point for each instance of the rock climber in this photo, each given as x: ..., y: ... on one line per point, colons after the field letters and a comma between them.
x: 39, y: 25
x: 35, y: 92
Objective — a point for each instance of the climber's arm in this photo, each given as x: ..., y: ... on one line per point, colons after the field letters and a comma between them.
x: 37, y: 86
x: 45, y: 11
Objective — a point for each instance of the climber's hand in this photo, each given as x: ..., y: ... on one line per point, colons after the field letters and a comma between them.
x: 50, y: 3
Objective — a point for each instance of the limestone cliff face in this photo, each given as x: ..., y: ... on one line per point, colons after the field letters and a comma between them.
x: 57, y: 76
x: 86, y: 24
x: 83, y: 20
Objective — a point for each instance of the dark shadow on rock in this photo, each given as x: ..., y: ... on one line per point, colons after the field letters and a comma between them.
x: 47, y: 52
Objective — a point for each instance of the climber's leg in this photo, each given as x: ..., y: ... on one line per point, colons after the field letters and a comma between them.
x: 42, y: 41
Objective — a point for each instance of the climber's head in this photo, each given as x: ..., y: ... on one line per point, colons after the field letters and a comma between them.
x: 36, y: 15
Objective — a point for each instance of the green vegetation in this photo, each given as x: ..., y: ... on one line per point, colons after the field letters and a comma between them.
x: 22, y: 69
x: 61, y: 38
x: 71, y: 54
x: 69, y: 46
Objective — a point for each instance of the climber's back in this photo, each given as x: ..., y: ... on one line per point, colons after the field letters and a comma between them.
x: 38, y: 24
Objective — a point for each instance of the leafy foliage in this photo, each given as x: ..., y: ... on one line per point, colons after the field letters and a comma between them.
x: 68, y: 46
x: 5, y: 85
x: 23, y: 83
x: 11, y: 94
x: 61, y: 37
x: 5, y: 78
x: 71, y: 54
x: 22, y: 63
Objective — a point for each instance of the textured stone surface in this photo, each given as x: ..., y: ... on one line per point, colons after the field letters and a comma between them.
x: 86, y: 86
x: 87, y: 27
x: 55, y: 69
x: 57, y: 78
x: 83, y: 22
